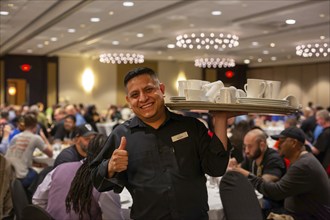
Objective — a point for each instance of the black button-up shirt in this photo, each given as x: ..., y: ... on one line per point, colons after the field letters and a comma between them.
x: 166, y: 167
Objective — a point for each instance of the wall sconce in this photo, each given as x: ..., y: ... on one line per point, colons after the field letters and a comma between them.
x: 88, y: 80
x: 12, y: 90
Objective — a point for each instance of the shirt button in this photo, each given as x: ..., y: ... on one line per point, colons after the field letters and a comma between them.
x: 169, y: 187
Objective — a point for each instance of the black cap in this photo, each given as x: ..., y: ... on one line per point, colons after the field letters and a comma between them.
x: 292, y: 132
x: 85, y: 130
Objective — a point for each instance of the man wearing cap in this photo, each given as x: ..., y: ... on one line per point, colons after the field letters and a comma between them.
x: 78, y: 151
x: 305, y: 187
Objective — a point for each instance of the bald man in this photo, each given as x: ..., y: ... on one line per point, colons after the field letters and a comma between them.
x: 263, y: 162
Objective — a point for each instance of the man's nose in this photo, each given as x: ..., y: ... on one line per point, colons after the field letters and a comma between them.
x: 143, y: 97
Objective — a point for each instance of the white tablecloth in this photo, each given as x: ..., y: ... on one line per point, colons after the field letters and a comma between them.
x: 214, y: 201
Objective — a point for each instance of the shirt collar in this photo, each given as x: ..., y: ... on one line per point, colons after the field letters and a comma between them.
x: 137, y: 122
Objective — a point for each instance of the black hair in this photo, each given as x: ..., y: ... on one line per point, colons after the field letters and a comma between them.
x: 139, y: 71
x: 72, y: 117
x: 30, y: 120
x: 79, y: 197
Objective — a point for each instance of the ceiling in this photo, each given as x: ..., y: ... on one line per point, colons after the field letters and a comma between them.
x: 36, y: 27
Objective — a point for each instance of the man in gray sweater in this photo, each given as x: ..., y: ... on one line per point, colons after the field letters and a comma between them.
x: 305, y: 186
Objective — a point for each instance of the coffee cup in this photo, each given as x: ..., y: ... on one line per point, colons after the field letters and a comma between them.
x: 190, y: 84
x: 213, y: 90
x: 227, y: 95
x: 195, y: 95
x: 240, y: 93
x: 255, y: 88
x: 272, y: 89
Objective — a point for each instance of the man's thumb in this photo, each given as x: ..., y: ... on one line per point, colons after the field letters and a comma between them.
x: 122, y: 145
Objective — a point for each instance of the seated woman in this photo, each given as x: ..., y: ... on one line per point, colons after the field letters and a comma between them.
x: 67, y: 192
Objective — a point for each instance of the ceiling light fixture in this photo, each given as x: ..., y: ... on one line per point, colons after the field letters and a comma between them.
x: 311, y: 50
x: 4, y: 13
x: 128, y: 4
x: 207, y: 41
x: 290, y: 21
x: 216, y: 13
x: 121, y: 58
x: 95, y: 20
x: 214, y: 62
x: 71, y: 30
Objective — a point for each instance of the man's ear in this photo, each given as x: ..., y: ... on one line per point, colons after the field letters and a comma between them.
x: 263, y: 145
x: 162, y: 87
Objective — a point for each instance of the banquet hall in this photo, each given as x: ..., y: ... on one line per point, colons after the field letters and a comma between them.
x: 55, y: 54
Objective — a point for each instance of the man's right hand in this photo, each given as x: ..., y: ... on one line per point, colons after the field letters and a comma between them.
x: 119, y: 159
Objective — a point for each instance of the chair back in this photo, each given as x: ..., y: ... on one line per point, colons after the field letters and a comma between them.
x: 19, y: 198
x: 36, y: 213
x: 238, y: 198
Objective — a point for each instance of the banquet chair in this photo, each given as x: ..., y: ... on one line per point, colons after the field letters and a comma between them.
x: 19, y: 198
x: 36, y: 213
x: 238, y: 198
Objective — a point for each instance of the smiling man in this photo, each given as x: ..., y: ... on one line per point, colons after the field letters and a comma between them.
x: 161, y: 157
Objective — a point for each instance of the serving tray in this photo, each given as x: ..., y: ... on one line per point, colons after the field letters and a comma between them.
x: 237, y: 107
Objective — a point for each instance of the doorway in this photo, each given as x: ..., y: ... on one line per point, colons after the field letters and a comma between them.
x: 17, y: 91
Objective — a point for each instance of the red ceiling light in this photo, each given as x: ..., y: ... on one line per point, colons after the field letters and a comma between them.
x: 26, y: 67
x: 229, y: 74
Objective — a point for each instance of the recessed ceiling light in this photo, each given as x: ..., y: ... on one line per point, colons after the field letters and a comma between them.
x: 140, y: 35
x: 322, y: 37
x: 246, y: 61
x: 10, y: 5
x: 71, y: 30
x: 40, y: 45
x: 273, y: 58
x: 82, y: 25
x: 216, y: 12
x: 29, y: 50
x: 46, y: 42
x: 259, y: 60
x: 322, y: 15
x: 265, y: 52
x: 255, y: 43
x: 111, y: 12
x: 95, y: 20
x: 290, y: 21
x: 115, y: 42
x: 272, y: 44
x: 170, y: 46
x: 128, y: 4
x: 53, y: 38
x: 4, y: 13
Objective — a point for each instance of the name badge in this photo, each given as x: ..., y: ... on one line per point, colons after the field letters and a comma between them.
x: 179, y: 136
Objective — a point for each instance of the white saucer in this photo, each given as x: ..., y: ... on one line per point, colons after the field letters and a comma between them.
x: 262, y: 101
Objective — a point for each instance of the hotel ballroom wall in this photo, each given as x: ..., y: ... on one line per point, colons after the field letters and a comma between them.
x: 308, y: 82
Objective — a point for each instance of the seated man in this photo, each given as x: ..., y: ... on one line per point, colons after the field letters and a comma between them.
x: 67, y: 136
x: 78, y: 151
x: 305, y: 186
x: 263, y: 162
x: 67, y: 191
x: 21, y: 148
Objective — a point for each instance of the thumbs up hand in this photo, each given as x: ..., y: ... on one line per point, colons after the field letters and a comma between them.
x: 119, y: 159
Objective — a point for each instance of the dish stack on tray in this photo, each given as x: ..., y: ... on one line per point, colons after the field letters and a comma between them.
x: 260, y: 96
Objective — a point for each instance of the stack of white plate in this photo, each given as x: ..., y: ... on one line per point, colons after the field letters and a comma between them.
x: 178, y: 98
x: 262, y: 101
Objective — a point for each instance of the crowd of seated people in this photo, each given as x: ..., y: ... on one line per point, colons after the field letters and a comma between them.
x: 75, y: 126
x: 28, y: 127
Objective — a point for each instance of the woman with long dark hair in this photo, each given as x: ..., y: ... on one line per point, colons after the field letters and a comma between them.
x: 67, y: 192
